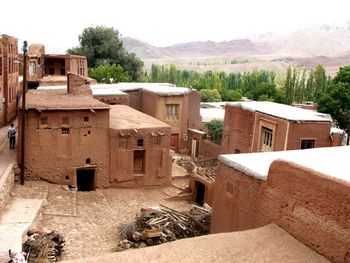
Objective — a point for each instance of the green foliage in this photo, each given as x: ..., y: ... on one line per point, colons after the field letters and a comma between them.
x: 263, y: 91
x: 215, y: 128
x: 210, y: 95
x: 102, y: 45
x: 231, y: 95
x: 109, y: 74
x: 335, y: 100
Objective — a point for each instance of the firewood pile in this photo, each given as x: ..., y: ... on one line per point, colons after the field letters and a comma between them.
x: 43, y: 246
x: 208, y: 173
x: 161, y: 224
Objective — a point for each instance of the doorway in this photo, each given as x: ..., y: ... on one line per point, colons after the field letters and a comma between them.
x: 86, y: 179
x: 200, y: 193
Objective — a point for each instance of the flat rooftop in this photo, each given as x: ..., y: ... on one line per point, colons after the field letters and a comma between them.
x: 59, y: 99
x: 124, y: 117
x: 330, y: 161
x: 281, y: 111
x: 97, y: 90
x: 163, y: 89
x: 269, y: 243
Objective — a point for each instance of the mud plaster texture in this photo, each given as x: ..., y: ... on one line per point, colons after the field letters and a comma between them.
x: 267, y: 244
x: 313, y: 208
x: 89, y: 220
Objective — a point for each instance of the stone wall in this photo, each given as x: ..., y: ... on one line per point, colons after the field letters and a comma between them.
x: 310, y: 206
x: 7, y: 181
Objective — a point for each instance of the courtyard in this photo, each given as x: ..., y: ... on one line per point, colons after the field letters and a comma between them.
x: 89, y: 221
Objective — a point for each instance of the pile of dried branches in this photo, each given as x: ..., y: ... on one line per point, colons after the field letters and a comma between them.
x: 156, y: 225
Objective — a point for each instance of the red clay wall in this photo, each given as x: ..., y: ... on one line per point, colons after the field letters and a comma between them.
x: 238, y: 130
x: 135, y: 97
x: 210, y: 149
x: 55, y: 157
x: 194, y: 116
x: 157, y: 163
x: 149, y: 103
x: 311, y: 207
x: 319, y: 131
x: 279, y: 126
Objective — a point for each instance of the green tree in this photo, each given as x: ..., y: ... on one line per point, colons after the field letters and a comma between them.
x: 210, y: 95
x: 109, y: 74
x: 263, y: 90
x: 102, y: 45
x: 336, y: 99
x: 320, y: 81
x: 231, y: 95
x: 215, y: 128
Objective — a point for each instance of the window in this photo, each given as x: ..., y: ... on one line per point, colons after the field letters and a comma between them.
x: 140, y: 142
x: 44, y: 120
x: 86, y: 119
x: 65, y: 130
x: 65, y: 120
x: 307, y: 144
x: 266, y: 140
x: 88, y: 161
x: 172, y: 111
x: 139, y: 162
x: 237, y: 151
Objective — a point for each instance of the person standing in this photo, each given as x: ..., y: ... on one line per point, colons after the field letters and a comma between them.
x: 11, y: 134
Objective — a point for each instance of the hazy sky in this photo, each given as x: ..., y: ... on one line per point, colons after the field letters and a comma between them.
x: 58, y: 24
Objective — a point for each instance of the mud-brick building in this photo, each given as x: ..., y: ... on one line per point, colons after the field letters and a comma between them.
x: 306, y: 192
x: 72, y: 138
x: 51, y: 69
x: 176, y: 106
x: 267, y: 126
x: 67, y: 138
x: 8, y: 78
x: 139, y: 149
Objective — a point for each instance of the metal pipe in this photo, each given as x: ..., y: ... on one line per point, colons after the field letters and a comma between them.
x: 24, y: 89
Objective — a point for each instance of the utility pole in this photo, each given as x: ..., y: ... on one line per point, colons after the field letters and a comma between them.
x: 24, y: 89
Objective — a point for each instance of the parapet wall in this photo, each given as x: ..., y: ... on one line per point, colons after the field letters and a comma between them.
x: 7, y: 181
x: 312, y: 207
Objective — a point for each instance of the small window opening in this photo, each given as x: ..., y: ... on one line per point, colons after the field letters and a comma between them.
x: 89, y: 131
x: 88, y: 161
x: 67, y: 177
x: 86, y: 119
x: 229, y: 188
x: 65, y: 130
x: 140, y: 142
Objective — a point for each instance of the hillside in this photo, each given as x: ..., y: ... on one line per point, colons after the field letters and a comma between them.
x: 328, y: 45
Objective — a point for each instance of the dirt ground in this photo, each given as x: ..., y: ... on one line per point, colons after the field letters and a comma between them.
x: 89, y: 221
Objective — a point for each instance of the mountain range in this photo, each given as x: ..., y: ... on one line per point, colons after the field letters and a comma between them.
x: 328, y: 45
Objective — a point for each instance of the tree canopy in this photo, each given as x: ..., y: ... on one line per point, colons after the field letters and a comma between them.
x: 215, y: 128
x: 102, y: 45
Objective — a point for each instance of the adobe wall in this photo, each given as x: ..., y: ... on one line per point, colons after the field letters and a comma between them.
x: 238, y: 130
x: 312, y: 207
x: 279, y: 127
x: 209, y: 188
x: 319, y: 131
x: 55, y: 157
x: 149, y: 103
x: 7, y: 181
x: 157, y: 162
x: 77, y: 65
x: 194, y: 116
x: 210, y: 149
x: 9, y: 54
x: 77, y: 84
x: 114, y: 100
x: 135, y: 97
